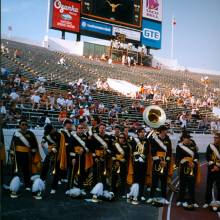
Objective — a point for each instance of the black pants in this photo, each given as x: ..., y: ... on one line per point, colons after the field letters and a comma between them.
x: 119, y: 178
x: 24, y: 166
x: 140, y: 170
x: 99, y: 166
x: 46, y: 168
x: 187, y: 182
x: 212, y: 177
x: 73, y: 172
x: 156, y: 176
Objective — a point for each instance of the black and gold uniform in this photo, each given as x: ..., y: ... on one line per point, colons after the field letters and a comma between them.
x: 187, y: 160
x: 100, y: 145
x: 213, y: 175
x: 24, y: 151
x: 67, y: 135
x: 56, y: 159
x: 120, y: 157
x: 2, y: 154
x: 77, y: 150
x: 161, y: 152
x: 140, y: 151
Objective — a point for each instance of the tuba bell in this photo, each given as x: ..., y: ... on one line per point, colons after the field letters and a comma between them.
x: 154, y: 116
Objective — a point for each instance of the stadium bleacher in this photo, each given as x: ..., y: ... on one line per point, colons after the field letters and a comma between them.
x: 37, y: 61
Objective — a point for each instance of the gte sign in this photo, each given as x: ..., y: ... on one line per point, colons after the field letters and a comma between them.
x: 151, y: 34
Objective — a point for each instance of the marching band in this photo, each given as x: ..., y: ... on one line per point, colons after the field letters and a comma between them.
x: 101, y: 166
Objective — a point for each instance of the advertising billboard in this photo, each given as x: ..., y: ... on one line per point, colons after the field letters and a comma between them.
x: 97, y: 27
x: 151, y: 34
x: 130, y: 34
x: 121, y: 12
x: 153, y: 9
x: 65, y: 15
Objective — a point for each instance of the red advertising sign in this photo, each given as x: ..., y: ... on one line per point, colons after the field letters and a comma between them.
x: 65, y: 15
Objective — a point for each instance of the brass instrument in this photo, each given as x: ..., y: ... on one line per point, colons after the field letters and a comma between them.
x: 78, y: 171
x: 54, y: 158
x: 78, y: 152
x: 154, y: 116
x: 189, y: 171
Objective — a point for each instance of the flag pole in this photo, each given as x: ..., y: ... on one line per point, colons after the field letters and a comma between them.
x: 172, y: 38
x: 48, y: 17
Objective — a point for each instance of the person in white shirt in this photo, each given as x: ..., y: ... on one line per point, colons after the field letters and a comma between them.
x: 61, y: 102
x: 69, y: 104
x: 35, y: 99
x: 14, y: 96
x: 183, y: 120
x: 17, y: 80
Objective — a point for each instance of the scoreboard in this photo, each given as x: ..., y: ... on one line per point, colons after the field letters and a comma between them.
x: 137, y: 20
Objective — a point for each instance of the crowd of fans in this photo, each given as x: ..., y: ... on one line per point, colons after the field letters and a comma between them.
x: 77, y: 102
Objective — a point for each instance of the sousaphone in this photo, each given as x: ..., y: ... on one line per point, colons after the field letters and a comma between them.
x: 154, y: 116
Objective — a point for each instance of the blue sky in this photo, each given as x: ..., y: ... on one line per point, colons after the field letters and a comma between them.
x: 196, y: 35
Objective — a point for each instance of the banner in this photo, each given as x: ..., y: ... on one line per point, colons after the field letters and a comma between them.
x: 151, y: 34
x: 152, y: 9
x: 130, y: 34
x: 98, y: 27
x: 65, y: 15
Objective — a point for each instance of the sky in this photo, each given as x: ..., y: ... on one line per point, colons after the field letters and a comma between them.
x: 196, y: 34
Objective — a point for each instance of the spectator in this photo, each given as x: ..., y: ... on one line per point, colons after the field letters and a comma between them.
x: 44, y: 120
x: 35, y: 100
x: 183, y: 120
x: 61, y: 102
x: 14, y: 96
x: 213, y: 126
x: 62, y: 115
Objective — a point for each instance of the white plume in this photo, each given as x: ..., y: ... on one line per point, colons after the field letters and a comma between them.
x: 38, y: 185
x: 108, y: 195
x: 74, y: 192
x: 34, y: 177
x: 97, y: 189
x: 15, y: 184
x: 134, y: 190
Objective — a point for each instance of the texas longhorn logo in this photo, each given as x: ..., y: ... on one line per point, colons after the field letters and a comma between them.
x: 152, y: 4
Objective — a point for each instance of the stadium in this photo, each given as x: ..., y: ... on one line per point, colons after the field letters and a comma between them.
x: 79, y: 118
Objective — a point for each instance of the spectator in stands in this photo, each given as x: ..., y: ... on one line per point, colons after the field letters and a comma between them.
x: 51, y: 101
x: 2, y: 109
x: 101, y: 108
x: 61, y: 102
x: 14, y: 113
x: 86, y: 113
x: 183, y: 120
x: 17, y: 54
x: 62, y: 115
x: 14, y: 96
x: 69, y: 102
x: 44, y: 120
x: 17, y: 80
x: 41, y: 89
x: 35, y: 100
x: 4, y: 72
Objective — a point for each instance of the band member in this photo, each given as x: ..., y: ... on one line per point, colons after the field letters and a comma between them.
x: 161, y: 152
x: 129, y: 139
x: 140, y: 153
x: 24, y: 154
x: 187, y: 160
x: 68, y: 128
x: 101, y: 146
x: 120, y: 156
x: 77, y: 154
x: 115, y: 136
x: 213, y: 175
x: 56, y: 157
x: 95, y: 121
